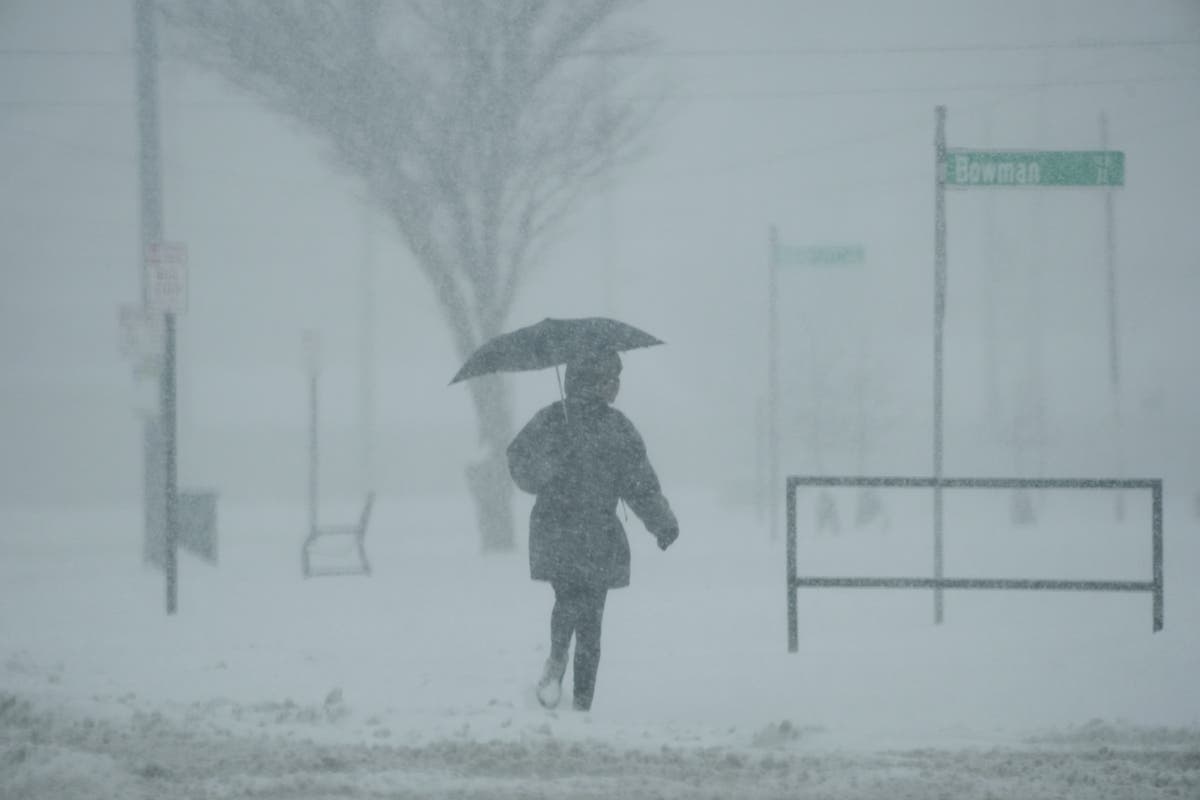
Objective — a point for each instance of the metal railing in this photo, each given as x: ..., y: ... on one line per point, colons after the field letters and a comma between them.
x: 939, y: 582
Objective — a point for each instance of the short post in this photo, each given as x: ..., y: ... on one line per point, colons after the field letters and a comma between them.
x: 1157, y: 522
x: 311, y: 347
x: 793, y: 621
x: 172, y: 483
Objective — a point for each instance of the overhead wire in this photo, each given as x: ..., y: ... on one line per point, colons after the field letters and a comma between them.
x: 1015, y: 92
x: 746, y: 52
x: 974, y: 48
x: 1018, y: 90
x: 121, y: 104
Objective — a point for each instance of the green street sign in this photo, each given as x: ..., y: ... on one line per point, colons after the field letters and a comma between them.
x: 970, y: 168
x: 830, y: 254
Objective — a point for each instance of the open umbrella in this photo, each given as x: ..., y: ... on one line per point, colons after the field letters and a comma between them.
x: 550, y: 343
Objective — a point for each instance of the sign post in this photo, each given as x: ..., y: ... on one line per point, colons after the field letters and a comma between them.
x: 166, y: 294
x: 939, y: 323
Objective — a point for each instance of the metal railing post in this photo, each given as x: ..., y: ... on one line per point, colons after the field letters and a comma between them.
x: 1156, y: 521
x: 793, y: 622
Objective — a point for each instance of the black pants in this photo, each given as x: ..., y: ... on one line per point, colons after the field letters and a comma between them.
x: 578, y: 610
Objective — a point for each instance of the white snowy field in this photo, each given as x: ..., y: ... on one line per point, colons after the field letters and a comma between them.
x: 416, y: 682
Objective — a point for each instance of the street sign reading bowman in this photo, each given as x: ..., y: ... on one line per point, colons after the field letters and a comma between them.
x: 1034, y: 168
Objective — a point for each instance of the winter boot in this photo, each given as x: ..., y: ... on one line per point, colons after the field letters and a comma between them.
x: 549, y: 688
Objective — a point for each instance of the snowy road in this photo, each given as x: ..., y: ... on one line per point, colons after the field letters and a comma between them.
x: 46, y: 754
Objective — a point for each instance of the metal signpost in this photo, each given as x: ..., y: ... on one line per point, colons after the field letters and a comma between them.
x: 166, y: 294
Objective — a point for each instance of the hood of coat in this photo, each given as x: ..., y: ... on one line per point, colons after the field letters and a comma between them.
x: 596, y: 377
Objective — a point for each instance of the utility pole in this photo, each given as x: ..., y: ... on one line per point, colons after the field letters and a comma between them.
x: 150, y: 182
x: 149, y: 146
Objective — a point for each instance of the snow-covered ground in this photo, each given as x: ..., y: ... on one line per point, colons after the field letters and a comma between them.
x: 416, y: 682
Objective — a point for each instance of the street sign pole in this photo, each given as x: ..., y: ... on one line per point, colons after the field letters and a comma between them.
x: 939, y: 320
x: 773, y: 379
x: 165, y: 270
x: 172, y: 484
x: 149, y: 161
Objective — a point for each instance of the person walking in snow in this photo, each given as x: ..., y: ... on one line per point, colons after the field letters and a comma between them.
x: 579, y: 456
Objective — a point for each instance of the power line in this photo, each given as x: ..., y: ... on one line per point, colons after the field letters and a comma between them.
x: 65, y: 51
x: 745, y: 52
x: 972, y: 87
x: 122, y: 104
x: 1020, y: 89
x: 765, y: 95
x: 795, y: 153
x: 900, y: 178
x: 756, y: 52
x: 42, y: 138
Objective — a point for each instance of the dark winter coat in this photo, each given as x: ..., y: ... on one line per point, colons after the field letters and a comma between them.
x: 579, y: 466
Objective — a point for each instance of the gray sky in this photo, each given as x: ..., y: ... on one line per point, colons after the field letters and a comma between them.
x: 815, y: 117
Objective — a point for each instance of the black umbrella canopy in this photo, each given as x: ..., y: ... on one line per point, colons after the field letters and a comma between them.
x: 552, y: 342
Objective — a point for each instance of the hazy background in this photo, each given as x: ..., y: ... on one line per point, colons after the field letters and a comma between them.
x: 815, y: 117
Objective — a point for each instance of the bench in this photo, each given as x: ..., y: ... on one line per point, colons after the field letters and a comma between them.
x: 347, y: 538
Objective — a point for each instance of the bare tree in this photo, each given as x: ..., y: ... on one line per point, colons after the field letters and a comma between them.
x: 475, y: 125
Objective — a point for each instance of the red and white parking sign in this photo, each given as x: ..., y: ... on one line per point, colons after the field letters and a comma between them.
x: 166, y: 277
